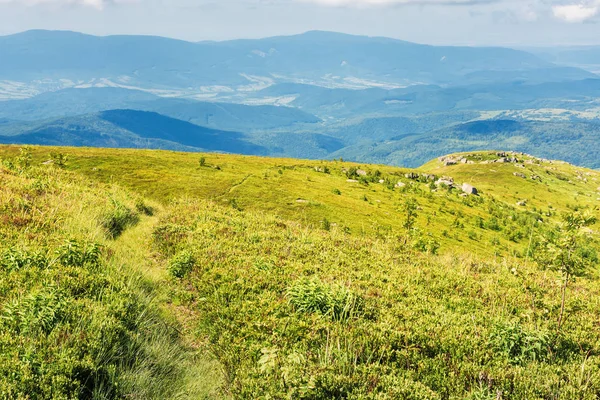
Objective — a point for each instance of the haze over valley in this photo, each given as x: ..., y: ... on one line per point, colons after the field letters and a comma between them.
x: 313, y: 95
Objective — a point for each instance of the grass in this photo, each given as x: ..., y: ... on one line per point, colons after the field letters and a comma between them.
x: 80, y: 315
x: 299, y: 190
x: 278, y: 278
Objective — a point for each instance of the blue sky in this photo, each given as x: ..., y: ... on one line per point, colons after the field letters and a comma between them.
x: 470, y: 22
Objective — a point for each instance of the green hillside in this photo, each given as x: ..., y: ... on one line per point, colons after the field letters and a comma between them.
x: 156, y: 274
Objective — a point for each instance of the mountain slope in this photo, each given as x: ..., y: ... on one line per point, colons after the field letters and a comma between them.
x: 71, y: 102
x: 128, y: 128
x: 301, y: 281
x: 574, y: 141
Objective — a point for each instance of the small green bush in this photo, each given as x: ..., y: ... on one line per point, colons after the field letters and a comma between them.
x: 75, y: 254
x: 117, y: 219
x: 37, y: 312
x: 13, y: 259
x: 519, y: 345
x: 181, y: 264
x: 59, y: 159
x: 143, y: 208
x: 337, y: 191
x: 313, y: 296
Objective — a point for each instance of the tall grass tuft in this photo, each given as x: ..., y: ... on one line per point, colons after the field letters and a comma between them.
x: 315, y: 296
x: 118, y: 218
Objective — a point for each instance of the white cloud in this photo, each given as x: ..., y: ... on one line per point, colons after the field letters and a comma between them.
x: 364, y: 3
x: 97, y: 4
x: 576, y: 12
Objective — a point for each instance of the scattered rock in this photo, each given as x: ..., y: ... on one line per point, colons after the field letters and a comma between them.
x: 49, y: 162
x: 469, y: 189
x: 400, y: 184
x: 520, y: 175
x: 301, y: 201
x: 429, y: 177
x: 445, y: 180
x: 382, y: 181
x: 522, y: 203
x: 361, y: 172
x: 352, y: 181
x: 411, y: 175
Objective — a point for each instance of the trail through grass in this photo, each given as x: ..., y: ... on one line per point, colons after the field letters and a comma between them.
x: 203, y: 377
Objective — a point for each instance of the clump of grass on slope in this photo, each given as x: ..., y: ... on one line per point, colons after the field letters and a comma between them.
x: 314, y: 296
x: 118, y: 218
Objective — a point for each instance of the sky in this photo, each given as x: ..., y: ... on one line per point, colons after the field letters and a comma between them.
x: 516, y: 23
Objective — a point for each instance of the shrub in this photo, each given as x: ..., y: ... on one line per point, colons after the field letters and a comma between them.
x: 116, y: 220
x: 59, y: 159
x: 36, y: 312
x: 143, y: 208
x: 74, y: 254
x: 202, y: 161
x: 313, y: 296
x: 181, y: 264
x: 13, y: 259
x: 325, y: 224
x: 337, y: 191
x: 24, y: 158
x: 518, y: 344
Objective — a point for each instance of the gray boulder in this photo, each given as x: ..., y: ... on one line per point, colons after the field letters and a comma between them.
x: 469, y: 189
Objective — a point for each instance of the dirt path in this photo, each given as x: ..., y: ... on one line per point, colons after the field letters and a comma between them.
x: 204, y: 378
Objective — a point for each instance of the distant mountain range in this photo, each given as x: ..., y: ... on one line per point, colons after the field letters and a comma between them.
x: 45, y: 60
x: 314, y: 95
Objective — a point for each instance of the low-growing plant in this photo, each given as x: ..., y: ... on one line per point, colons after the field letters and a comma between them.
x: 24, y: 158
x: 75, y: 254
x: 167, y: 237
x: 518, y: 344
x: 181, y: 264
x: 59, y: 159
x: 314, y: 296
x: 13, y: 259
x: 37, y: 312
x: 118, y: 218
x: 143, y: 208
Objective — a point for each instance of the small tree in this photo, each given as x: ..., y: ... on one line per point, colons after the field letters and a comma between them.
x: 202, y: 161
x: 25, y: 157
x: 59, y: 159
x: 562, y: 250
x: 410, y: 207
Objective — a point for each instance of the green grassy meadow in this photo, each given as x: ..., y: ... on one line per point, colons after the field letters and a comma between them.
x: 153, y: 274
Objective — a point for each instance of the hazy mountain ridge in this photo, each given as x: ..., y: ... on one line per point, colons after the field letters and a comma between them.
x: 35, y: 59
x: 314, y: 95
